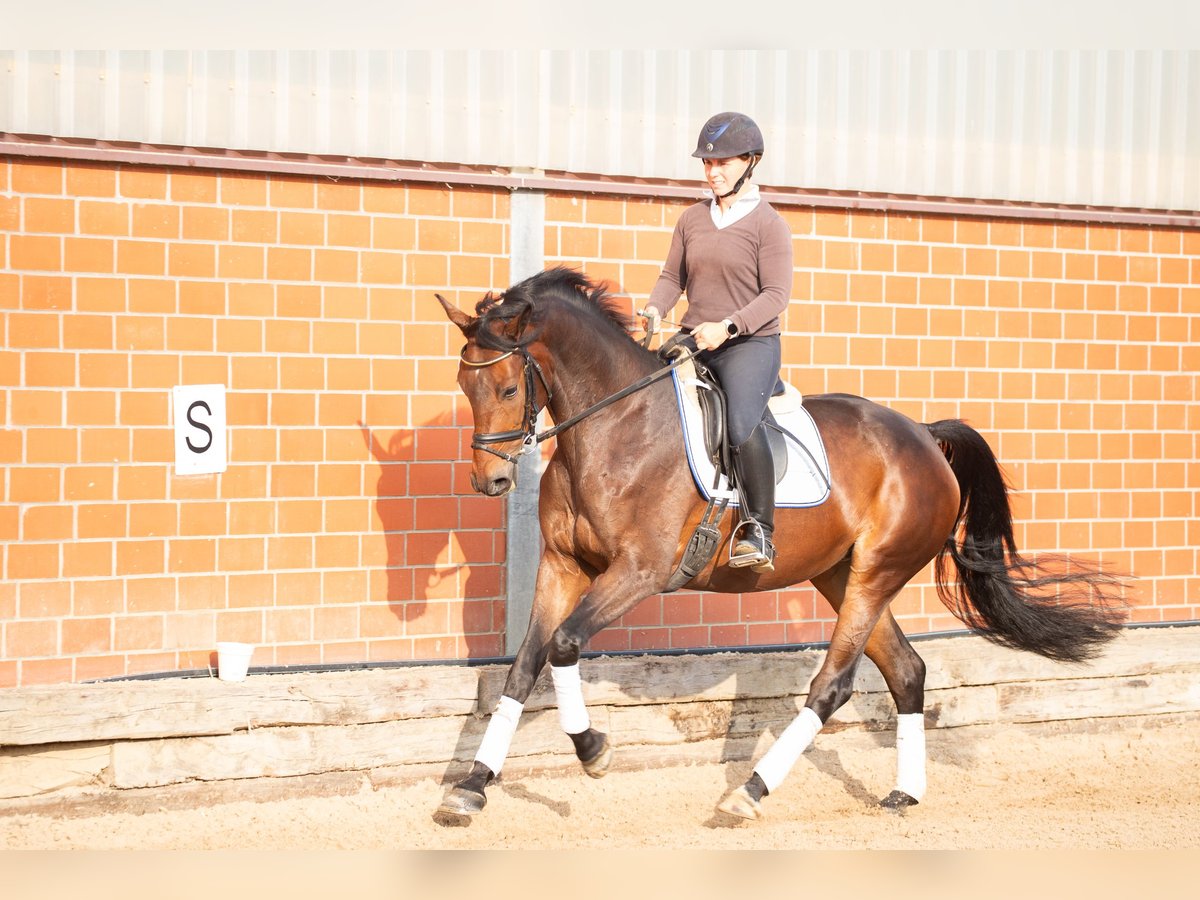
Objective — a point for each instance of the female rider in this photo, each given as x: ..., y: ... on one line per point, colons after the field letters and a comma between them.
x: 732, y: 254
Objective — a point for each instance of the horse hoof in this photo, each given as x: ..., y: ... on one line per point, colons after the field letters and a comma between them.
x: 898, y: 800
x: 597, y: 766
x: 462, y: 802
x: 741, y: 804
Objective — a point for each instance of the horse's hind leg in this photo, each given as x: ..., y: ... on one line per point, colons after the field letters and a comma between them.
x: 860, y: 604
x: 904, y: 672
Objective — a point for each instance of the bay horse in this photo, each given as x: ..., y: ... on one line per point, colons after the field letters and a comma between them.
x: 618, y: 504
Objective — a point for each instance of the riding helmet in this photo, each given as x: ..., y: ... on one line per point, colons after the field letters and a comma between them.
x: 729, y: 134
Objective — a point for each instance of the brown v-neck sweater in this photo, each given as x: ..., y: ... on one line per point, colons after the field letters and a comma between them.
x: 742, y: 272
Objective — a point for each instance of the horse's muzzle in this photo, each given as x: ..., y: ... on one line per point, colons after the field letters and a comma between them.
x: 494, y: 486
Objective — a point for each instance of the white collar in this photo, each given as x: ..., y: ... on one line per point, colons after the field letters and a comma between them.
x: 742, y: 207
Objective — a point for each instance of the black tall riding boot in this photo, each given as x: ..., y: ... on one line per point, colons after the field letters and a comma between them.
x: 754, y: 470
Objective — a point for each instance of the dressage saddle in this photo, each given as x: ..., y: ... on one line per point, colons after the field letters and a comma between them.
x: 712, y: 405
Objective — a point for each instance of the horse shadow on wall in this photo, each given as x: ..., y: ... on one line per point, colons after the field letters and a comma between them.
x: 439, y: 557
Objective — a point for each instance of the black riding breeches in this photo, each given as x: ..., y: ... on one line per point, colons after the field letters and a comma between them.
x: 748, y: 369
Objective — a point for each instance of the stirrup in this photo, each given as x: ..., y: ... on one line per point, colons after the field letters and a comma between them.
x: 755, y: 550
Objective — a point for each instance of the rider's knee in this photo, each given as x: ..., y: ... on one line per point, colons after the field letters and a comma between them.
x: 741, y: 428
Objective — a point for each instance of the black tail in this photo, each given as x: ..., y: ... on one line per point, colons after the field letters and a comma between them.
x: 1058, y: 608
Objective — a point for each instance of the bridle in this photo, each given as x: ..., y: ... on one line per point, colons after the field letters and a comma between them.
x: 528, y: 434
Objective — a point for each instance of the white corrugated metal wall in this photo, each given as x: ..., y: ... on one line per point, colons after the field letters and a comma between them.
x: 1115, y: 129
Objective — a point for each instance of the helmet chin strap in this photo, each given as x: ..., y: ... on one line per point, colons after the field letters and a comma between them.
x: 741, y: 181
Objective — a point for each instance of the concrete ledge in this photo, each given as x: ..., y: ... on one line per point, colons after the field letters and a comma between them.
x: 146, y: 734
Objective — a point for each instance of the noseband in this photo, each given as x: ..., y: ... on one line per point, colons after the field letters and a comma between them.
x: 527, y: 434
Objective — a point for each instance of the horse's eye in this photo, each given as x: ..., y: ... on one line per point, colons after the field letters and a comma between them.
x: 509, y: 392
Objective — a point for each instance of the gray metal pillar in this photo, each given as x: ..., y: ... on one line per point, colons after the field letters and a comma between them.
x: 524, y: 544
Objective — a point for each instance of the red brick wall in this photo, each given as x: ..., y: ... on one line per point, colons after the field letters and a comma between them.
x: 325, y: 541
x: 345, y: 528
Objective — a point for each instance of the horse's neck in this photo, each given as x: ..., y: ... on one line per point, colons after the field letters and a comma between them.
x: 578, y: 386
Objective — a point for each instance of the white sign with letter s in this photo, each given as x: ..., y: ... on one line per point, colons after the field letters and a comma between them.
x: 199, y: 411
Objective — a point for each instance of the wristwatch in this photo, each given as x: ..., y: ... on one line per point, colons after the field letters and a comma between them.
x: 730, y: 328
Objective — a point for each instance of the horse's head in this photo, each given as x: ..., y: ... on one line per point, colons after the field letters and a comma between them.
x: 505, y: 386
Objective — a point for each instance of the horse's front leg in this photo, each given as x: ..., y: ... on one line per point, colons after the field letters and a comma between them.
x: 560, y: 582
x: 592, y: 747
x: 614, y: 593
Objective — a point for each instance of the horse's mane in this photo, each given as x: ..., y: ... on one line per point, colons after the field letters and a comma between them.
x: 529, y: 302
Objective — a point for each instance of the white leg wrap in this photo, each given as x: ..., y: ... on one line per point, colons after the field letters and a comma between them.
x: 774, y: 767
x: 910, y: 754
x: 501, y: 727
x: 568, y: 689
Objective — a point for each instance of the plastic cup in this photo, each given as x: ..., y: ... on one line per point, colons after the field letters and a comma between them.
x: 233, y: 660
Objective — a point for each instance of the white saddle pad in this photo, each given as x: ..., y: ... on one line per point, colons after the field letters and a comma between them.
x: 807, y: 480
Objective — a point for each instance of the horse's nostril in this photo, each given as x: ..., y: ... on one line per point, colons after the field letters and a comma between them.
x: 499, y: 486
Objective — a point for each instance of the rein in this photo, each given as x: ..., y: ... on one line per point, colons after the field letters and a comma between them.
x: 528, y: 434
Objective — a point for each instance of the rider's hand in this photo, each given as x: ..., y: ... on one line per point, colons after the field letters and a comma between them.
x: 652, y: 318
x: 710, y: 335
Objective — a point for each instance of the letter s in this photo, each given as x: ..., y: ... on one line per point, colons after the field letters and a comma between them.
x: 191, y: 421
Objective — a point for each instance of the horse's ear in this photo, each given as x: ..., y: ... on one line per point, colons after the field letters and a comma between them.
x: 456, y: 315
x: 514, y: 328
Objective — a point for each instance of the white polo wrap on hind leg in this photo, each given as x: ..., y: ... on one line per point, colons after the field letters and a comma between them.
x: 568, y: 690
x: 774, y: 767
x: 910, y: 754
x: 496, y: 740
